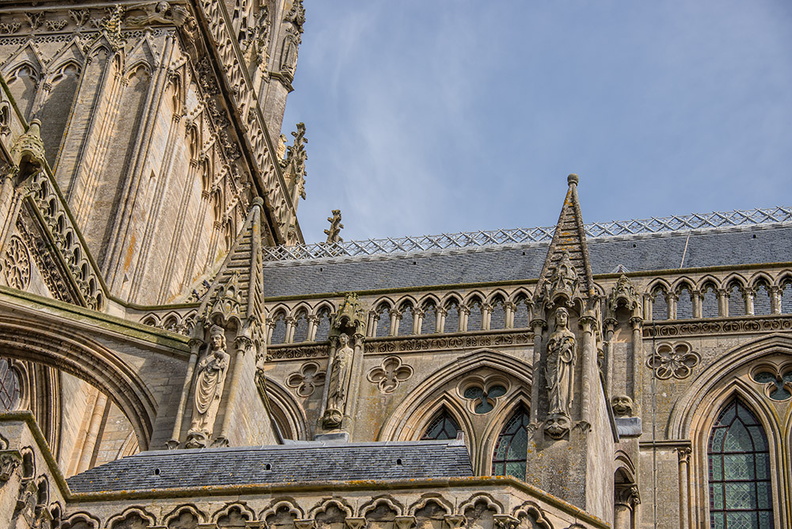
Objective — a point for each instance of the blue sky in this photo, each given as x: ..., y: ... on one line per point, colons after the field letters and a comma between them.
x: 439, y: 116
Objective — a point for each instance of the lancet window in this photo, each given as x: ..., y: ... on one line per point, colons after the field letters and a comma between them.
x: 443, y: 426
x: 739, y: 471
x: 509, y: 457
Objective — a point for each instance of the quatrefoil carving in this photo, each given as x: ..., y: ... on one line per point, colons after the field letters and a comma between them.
x: 673, y: 360
x: 390, y: 374
x: 307, y: 379
x: 777, y: 382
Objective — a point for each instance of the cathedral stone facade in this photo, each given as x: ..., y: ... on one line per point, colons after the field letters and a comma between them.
x: 173, y: 355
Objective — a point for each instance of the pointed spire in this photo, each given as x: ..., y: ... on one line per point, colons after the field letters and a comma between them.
x: 567, y: 269
x: 237, y: 291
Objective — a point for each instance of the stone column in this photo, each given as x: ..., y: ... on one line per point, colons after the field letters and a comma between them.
x: 538, y: 326
x: 697, y: 297
x: 671, y: 301
x: 242, y: 344
x: 610, y: 326
x: 373, y: 320
x: 290, y: 326
x: 509, y: 309
x: 464, y: 313
x: 486, y: 316
x: 723, y: 303
x: 775, y: 299
x: 395, y: 318
x: 441, y: 318
x: 684, y: 487
x: 313, y: 324
x: 749, y: 294
x: 418, y: 317
x: 648, y: 303
x: 195, y: 347
x: 589, y: 372
x: 637, y: 354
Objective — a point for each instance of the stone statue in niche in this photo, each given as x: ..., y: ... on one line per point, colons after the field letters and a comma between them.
x: 559, y: 374
x: 339, y: 380
x: 210, y: 378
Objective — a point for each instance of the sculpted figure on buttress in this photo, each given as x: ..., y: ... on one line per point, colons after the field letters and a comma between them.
x: 209, y: 381
x: 559, y: 370
x: 337, y: 388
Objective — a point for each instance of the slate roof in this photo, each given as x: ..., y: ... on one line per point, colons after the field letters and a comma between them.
x: 299, y: 462
x: 733, y: 246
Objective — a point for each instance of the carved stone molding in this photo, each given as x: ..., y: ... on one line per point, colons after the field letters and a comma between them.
x: 438, y: 343
x: 743, y: 325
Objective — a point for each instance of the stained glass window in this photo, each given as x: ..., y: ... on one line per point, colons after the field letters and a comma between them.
x: 9, y: 386
x: 511, y: 450
x: 443, y: 426
x: 739, y: 471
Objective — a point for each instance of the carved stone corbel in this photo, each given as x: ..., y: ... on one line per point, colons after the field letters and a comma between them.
x: 355, y: 523
x: 404, y: 522
x: 9, y: 461
x: 453, y: 521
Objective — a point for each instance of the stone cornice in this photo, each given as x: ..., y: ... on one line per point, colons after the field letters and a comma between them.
x: 411, y: 344
x: 704, y: 327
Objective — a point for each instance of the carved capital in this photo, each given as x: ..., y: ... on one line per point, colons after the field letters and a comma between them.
x: 538, y: 324
x: 355, y: 523
x: 588, y: 323
x: 453, y: 521
x: 683, y: 454
x: 243, y: 344
x: 404, y: 522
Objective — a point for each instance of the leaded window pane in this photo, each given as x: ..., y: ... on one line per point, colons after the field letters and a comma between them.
x: 443, y: 426
x: 511, y: 450
x: 739, y: 471
x: 9, y: 387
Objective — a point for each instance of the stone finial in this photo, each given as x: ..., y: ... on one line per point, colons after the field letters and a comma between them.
x: 573, y: 179
x: 333, y: 234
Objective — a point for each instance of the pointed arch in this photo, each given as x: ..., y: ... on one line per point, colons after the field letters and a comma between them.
x: 323, y: 312
x: 509, y: 452
x: 739, y: 469
x: 734, y: 279
x: 759, y: 288
x: 707, y: 391
x: 276, y: 322
x: 287, y: 413
x: 428, y: 306
x: 442, y: 425
x: 709, y: 298
x: 684, y: 299
x: 419, y: 406
x: 41, y: 342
